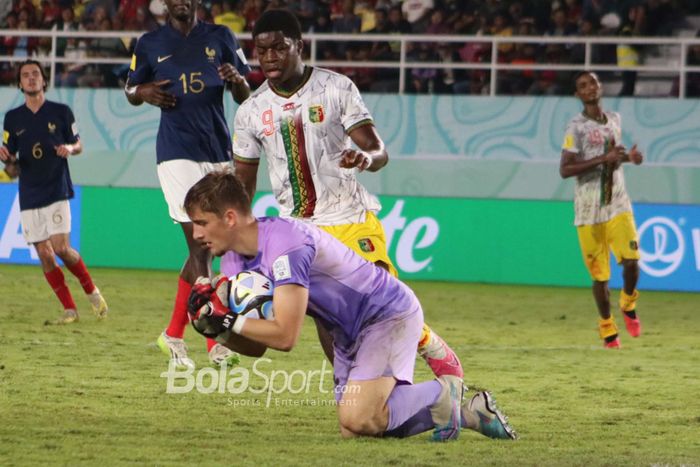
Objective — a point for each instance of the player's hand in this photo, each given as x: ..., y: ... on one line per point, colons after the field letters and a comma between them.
x: 64, y: 150
x: 635, y: 156
x: 154, y: 94
x: 614, y: 156
x: 214, y: 318
x: 5, y: 155
x: 200, y: 295
x: 350, y: 158
x: 228, y: 72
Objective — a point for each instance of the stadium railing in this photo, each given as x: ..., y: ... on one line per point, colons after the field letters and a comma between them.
x: 672, y: 66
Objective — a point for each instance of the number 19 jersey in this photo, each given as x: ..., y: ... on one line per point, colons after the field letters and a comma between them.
x: 303, y: 134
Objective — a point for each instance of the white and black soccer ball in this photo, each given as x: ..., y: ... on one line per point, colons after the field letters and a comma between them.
x: 250, y: 295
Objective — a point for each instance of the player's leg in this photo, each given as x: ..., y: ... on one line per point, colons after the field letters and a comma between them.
x: 372, y: 404
x: 325, y: 339
x: 59, y: 231
x: 35, y: 232
x: 596, y: 257
x: 625, y: 246
x: 369, y: 241
x: 176, y: 177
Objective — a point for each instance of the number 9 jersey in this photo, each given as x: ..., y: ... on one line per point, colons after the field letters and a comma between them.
x: 195, y: 129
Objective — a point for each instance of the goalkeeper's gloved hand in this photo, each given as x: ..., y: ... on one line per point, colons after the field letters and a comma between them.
x: 214, y: 317
x: 200, y: 294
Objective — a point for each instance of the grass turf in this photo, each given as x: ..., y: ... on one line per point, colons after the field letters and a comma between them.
x: 92, y: 392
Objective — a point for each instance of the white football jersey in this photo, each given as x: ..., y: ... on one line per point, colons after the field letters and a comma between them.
x: 302, y: 136
x: 588, y: 139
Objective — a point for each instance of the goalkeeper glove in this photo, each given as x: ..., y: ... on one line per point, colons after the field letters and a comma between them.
x: 213, y: 317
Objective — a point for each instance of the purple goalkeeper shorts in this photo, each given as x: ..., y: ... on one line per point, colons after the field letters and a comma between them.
x: 386, y: 348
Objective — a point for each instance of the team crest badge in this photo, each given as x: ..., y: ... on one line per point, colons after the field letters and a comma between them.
x: 211, y: 53
x: 316, y: 113
x: 52, y: 127
x: 366, y: 245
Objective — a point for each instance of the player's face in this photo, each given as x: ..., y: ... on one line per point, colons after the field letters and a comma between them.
x: 280, y: 56
x: 211, y: 231
x: 182, y: 10
x: 30, y: 79
x: 588, y: 88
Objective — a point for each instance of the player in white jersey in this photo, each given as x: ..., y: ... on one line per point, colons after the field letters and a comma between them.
x: 305, y: 119
x: 603, y: 212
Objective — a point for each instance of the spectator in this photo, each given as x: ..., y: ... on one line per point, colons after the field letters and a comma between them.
x: 129, y: 12
x: 160, y: 14
x: 417, y: 13
x: 630, y: 55
x: 51, y: 13
x: 422, y: 79
x: 231, y: 17
x: 448, y: 80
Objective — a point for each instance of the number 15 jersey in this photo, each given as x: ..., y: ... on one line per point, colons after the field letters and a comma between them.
x: 195, y: 129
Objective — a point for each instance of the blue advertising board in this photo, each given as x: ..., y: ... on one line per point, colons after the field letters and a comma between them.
x: 669, y: 243
x: 13, y: 248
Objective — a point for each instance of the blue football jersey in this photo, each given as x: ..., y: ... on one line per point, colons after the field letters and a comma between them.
x: 44, y: 177
x: 195, y: 128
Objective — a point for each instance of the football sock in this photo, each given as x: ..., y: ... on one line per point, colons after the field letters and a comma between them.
x: 610, y: 338
x: 424, y: 336
x: 57, y: 282
x: 631, y: 314
x: 179, y: 319
x: 405, y: 402
x: 607, y: 329
x: 210, y: 343
x: 80, y: 271
x: 629, y: 302
x: 419, y: 423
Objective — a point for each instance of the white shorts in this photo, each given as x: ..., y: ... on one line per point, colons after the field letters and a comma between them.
x: 178, y: 176
x: 41, y: 223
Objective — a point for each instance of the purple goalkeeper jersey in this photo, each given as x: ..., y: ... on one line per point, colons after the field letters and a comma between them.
x: 346, y: 292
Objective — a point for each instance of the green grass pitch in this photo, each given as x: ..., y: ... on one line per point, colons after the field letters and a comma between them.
x: 91, y: 393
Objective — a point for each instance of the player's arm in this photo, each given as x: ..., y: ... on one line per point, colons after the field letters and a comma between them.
x: 282, y: 333
x: 372, y: 155
x: 11, y: 164
x: 245, y: 346
x: 569, y: 166
x: 151, y: 93
x: 238, y: 84
x: 65, y: 150
x: 247, y: 173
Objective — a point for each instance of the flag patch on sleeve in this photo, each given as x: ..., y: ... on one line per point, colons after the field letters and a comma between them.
x: 281, y: 269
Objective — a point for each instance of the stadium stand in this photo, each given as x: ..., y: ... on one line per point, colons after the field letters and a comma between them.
x: 666, y: 28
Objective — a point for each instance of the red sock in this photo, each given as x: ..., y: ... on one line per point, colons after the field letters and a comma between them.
x: 179, y: 319
x: 57, y: 282
x: 210, y: 343
x: 80, y: 271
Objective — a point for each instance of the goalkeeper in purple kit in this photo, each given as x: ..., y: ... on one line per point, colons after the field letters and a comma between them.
x: 374, y: 318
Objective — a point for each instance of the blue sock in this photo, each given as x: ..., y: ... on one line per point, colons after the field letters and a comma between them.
x: 409, y: 411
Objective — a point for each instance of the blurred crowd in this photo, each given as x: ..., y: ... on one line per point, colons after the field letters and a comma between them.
x: 552, y: 18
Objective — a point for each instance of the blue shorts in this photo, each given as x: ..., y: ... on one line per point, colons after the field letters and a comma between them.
x: 386, y: 348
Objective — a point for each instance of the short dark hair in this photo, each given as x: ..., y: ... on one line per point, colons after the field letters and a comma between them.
x: 278, y: 20
x: 29, y: 61
x: 216, y: 192
x: 581, y: 73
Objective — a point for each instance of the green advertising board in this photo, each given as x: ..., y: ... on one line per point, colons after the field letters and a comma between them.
x: 451, y: 239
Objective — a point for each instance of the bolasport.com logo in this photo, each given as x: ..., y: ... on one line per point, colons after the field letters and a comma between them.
x: 663, y: 247
x: 269, y: 387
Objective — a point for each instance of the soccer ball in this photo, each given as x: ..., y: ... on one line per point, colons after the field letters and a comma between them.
x: 250, y: 295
